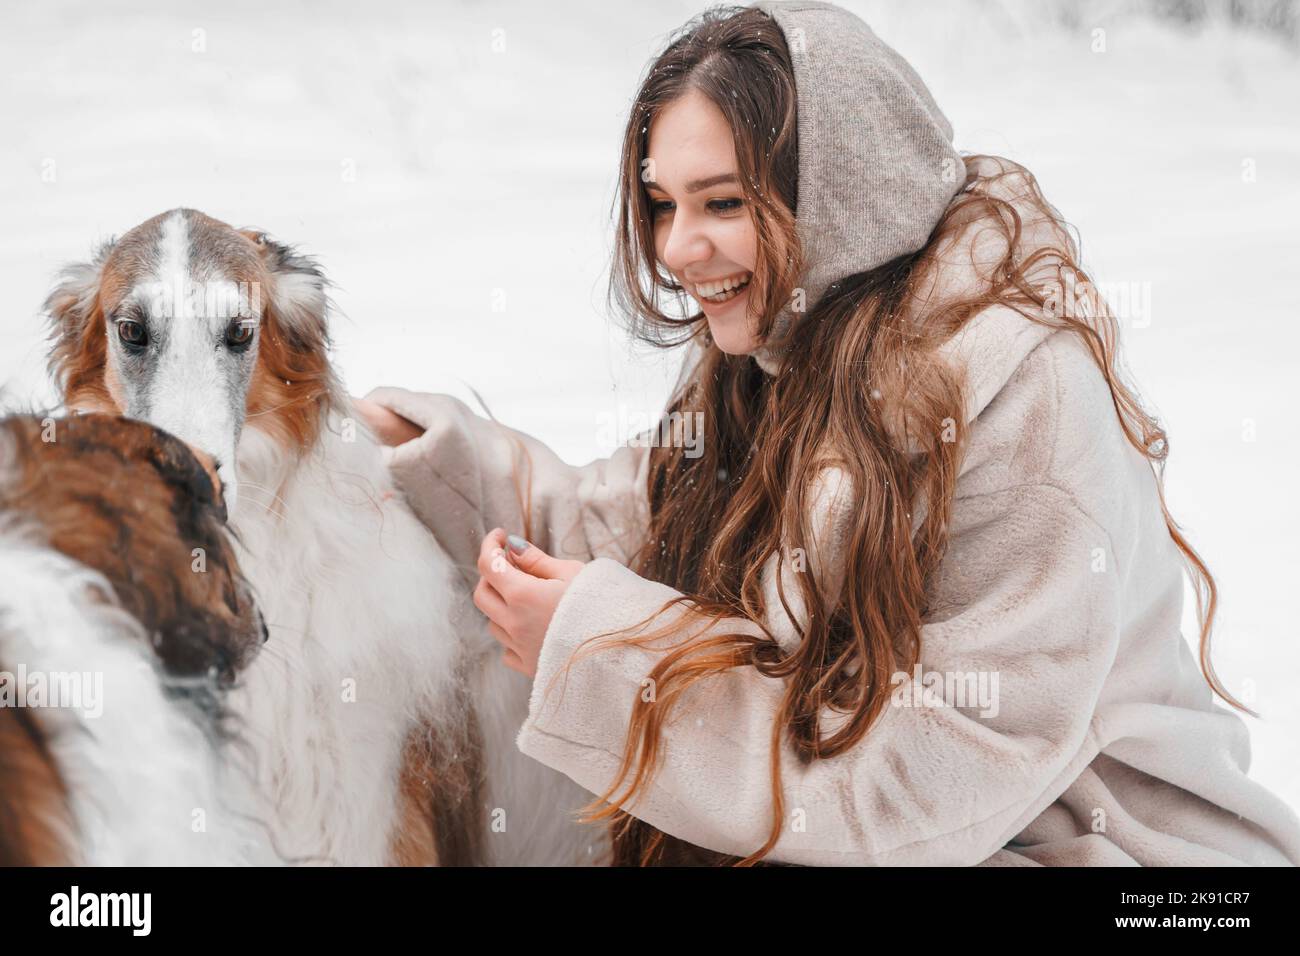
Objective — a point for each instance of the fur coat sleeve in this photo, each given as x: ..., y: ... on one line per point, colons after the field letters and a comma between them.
x: 467, y: 475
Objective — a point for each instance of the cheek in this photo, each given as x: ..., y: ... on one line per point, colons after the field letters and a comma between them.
x: 242, y: 378
x: 113, y: 378
x: 739, y: 242
x: 117, y: 381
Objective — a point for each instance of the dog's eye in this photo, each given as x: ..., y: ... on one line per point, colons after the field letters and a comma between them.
x: 239, y: 334
x: 132, y: 333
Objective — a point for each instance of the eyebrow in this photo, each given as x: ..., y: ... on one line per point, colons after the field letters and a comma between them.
x: 696, y: 185
x: 129, y: 308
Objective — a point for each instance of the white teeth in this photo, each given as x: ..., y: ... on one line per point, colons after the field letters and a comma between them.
x: 720, y: 290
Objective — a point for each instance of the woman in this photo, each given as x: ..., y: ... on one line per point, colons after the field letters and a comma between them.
x: 918, y: 599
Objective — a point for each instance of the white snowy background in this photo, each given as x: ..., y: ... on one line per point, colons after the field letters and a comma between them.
x: 451, y: 164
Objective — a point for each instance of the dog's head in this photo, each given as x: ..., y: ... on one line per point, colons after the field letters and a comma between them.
x: 136, y: 505
x: 112, y: 532
x: 198, y: 328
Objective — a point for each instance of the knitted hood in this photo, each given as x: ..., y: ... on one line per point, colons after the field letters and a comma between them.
x: 877, y: 166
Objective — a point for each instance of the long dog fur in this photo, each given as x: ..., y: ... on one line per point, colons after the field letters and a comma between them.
x: 381, y: 719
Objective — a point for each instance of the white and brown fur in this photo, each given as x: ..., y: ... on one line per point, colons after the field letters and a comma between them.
x: 100, y: 519
x: 361, y: 601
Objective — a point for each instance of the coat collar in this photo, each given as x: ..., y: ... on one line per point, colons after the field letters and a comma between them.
x: 991, y: 346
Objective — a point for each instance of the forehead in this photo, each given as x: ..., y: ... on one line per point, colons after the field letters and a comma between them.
x: 184, y: 244
x: 689, y: 139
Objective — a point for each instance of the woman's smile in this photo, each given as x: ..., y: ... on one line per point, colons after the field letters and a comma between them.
x: 721, y: 291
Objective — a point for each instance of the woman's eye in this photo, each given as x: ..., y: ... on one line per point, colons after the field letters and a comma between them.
x: 661, y: 207
x: 239, y: 334
x: 132, y: 333
x: 725, y: 205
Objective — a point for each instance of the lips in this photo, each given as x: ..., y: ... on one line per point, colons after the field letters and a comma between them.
x: 717, y: 291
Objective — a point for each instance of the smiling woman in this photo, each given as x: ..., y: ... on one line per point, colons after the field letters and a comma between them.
x: 702, y: 231
x: 727, y: 246
x: 914, y: 461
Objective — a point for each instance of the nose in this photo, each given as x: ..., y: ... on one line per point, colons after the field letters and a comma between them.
x: 686, y: 243
x: 221, y: 475
x: 209, y: 463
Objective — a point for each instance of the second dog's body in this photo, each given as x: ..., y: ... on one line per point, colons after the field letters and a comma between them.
x: 124, y: 620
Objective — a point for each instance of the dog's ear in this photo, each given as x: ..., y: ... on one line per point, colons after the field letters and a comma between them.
x: 298, y: 292
x: 294, y: 378
x: 78, y: 350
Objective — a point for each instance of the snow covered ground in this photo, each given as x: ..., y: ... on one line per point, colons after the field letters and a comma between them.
x: 451, y: 164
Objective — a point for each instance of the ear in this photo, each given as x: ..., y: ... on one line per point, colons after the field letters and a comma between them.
x: 78, y: 352
x: 294, y: 384
x: 297, y: 295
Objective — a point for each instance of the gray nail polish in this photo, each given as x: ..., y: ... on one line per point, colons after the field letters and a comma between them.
x: 517, y: 544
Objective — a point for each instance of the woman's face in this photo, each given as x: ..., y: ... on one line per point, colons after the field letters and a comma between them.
x: 704, y: 233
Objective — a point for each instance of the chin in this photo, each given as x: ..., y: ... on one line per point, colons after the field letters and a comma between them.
x: 731, y: 338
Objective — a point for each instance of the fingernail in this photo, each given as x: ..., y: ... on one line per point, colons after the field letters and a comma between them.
x: 517, y: 544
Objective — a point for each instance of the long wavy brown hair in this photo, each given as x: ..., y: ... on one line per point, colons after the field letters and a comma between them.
x: 865, y: 372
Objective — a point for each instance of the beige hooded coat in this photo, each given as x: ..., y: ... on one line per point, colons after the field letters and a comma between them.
x: 1098, y: 744
x: 1104, y: 747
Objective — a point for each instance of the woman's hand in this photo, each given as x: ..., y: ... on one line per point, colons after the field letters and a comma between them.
x: 389, y: 427
x: 519, y: 594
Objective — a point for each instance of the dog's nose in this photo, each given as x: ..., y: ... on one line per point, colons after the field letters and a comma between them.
x: 208, y: 463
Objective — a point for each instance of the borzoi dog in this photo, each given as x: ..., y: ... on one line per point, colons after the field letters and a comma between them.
x: 382, y: 718
x: 123, y: 618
